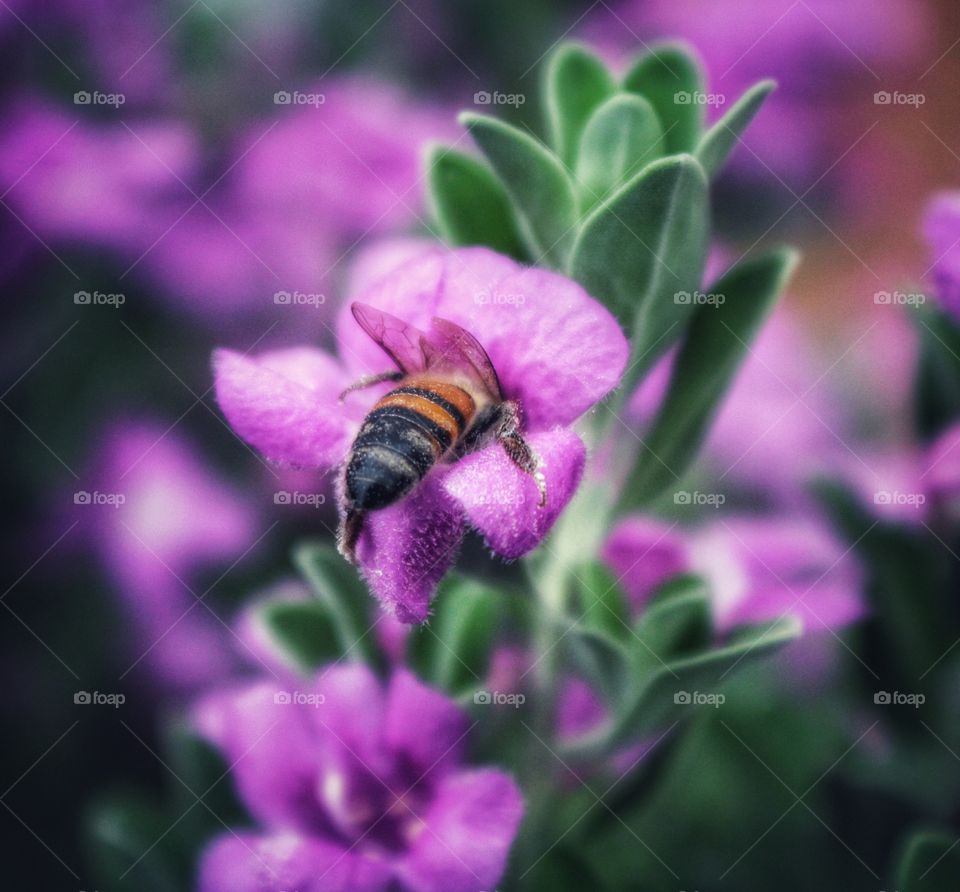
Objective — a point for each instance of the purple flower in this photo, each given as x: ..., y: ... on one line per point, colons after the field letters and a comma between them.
x: 758, y: 568
x: 301, y: 188
x: 356, y: 787
x: 556, y: 351
x: 762, y: 568
x: 941, y: 229
x: 644, y: 553
x: 158, y: 517
x: 73, y: 181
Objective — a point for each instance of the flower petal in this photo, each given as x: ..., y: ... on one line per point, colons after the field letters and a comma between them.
x: 248, y: 862
x: 557, y: 351
x: 284, y: 404
x: 644, y: 553
x: 270, y: 749
x: 423, y: 725
x: 502, y: 502
x: 406, y: 549
x: 467, y: 833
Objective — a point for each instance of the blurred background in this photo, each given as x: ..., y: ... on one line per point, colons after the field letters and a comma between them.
x: 177, y: 176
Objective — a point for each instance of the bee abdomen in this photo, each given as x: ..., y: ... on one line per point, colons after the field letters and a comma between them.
x: 407, y: 432
x: 390, y: 456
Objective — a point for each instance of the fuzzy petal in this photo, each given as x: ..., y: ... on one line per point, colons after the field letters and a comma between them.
x: 467, y: 835
x: 406, y: 549
x: 644, y: 553
x: 247, y: 862
x: 423, y: 725
x: 284, y: 404
x: 557, y: 351
x: 270, y: 749
x: 502, y: 502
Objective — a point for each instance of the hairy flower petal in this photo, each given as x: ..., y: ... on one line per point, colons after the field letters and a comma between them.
x: 557, y: 351
x: 284, y: 404
x: 502, y: 502
x: 406, y: 549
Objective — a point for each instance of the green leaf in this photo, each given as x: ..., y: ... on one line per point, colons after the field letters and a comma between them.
x: 676, y: 622
x: 470, y: 204
x: 718, y: 142
x: 452, y: 651
x: 712, y: 351
x: 301, y: 633
x: 537, y: 183
x: 603, y: 604
x: 598, y: 658
x: 661, y: 700
x: 622, y: 136
x: 643, y: 246
x: 130, y: 847
x: 930, y: 863
x: 671, y: 78
x: 577, y: 82
x: 338, y: 587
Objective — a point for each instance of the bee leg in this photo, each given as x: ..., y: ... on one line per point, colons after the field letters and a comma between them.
x: 369, y: 381
x: 348, y: 533
x: 502, y: 423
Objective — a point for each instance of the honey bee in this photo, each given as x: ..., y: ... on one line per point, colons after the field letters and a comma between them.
x: 448, y: 403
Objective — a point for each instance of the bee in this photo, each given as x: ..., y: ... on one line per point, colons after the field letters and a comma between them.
x: 448, y: 403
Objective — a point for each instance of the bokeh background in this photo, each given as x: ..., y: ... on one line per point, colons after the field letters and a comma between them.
x: 177, y: 176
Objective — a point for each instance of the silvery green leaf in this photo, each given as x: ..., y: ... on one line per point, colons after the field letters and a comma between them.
x: 715, y: 345
x: 452, y: 651
x: 643, y: 246
x: 671, y: 78
x: 470, y: 203
x: 719, y: 141
x: 339, y: 589
x: 539, y: 187
x: 622, y: 136
x: 576, y: 83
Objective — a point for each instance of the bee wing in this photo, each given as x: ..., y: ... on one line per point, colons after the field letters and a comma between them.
x: 403, y: 343
x: 449, y: 347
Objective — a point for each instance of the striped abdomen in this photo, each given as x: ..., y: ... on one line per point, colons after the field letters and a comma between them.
x: 405, y: 434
